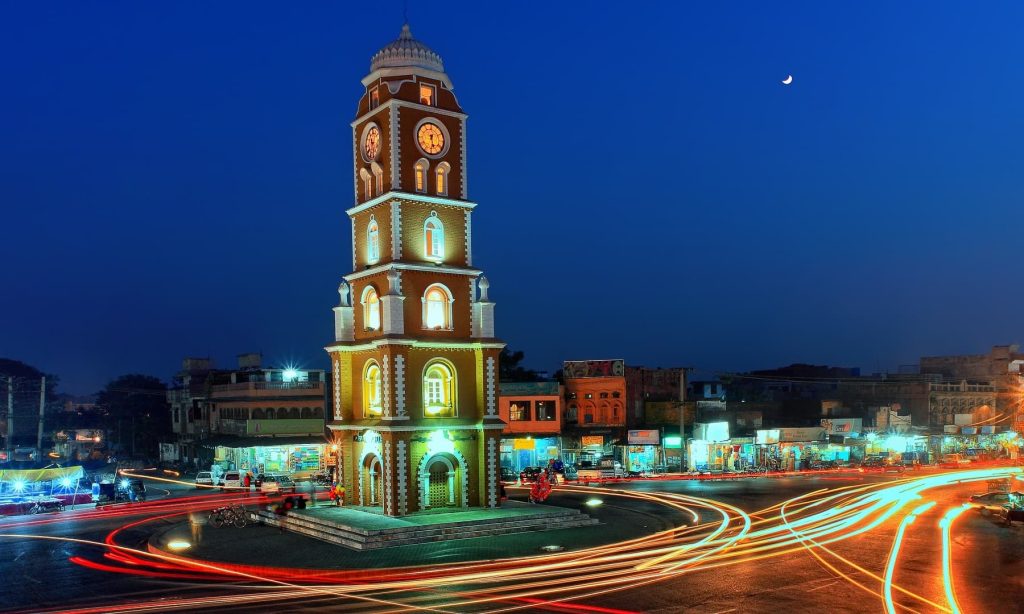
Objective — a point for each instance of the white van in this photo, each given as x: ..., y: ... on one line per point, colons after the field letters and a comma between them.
x: 231, y: 479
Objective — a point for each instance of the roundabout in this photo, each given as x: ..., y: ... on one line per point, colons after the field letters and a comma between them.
x: 632, y: 557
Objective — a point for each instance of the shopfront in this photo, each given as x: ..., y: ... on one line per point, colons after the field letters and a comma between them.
x: 297, y: 459
x: 643, y: 450
x: 518, y: 453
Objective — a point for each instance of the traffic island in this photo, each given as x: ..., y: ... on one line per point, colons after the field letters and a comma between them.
x: 362, y: 529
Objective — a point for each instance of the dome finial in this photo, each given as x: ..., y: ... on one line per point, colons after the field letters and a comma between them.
x: 406, y: 32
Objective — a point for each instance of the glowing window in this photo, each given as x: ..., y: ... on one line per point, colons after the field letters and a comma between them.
x: 433, y: 237
x: 367, y: 183
x: 519, y: 411
x: 439, y: 390
x: 374, y: 98
x: 421, y: 176
x: 441, y: 178
x: 372, y: 242
x: 428, y: 94
x: 371, y: 309
x: 437, y: 308
x: 372, y: 390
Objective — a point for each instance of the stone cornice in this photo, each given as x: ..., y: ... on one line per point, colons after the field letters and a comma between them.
x: 411, y: 197
x: 406, y: 266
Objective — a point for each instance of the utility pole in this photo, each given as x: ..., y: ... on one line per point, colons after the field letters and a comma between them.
x: 10, y: 418
x: 42, y: 406
x: 682, y: 418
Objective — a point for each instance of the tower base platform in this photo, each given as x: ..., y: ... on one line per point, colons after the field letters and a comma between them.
x: 363, y: 528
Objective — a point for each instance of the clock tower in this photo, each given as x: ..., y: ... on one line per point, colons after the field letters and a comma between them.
x: 415, y: 360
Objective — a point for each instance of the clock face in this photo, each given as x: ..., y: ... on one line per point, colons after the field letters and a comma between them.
x: 431, y: 138
x: 371, y: 146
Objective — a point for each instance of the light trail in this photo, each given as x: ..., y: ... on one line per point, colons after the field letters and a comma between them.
x: 894, y: 553
x: 946, y: 525
x: 808, y: 523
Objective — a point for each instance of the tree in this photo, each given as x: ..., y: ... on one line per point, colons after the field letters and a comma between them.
x: 509, y: 369
x: 139, y: 412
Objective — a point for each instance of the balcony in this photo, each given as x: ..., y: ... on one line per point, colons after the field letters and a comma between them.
x: 260, y: 389
x: 285, y: 426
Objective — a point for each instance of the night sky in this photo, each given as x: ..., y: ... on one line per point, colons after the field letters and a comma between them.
x: 174, y: 176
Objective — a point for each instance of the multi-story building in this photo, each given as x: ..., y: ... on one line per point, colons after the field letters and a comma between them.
x: 1001, y: 369
x: 252, y: 418
x: 415, y: 360
x: 532, y: 412
x: 595, y: 402
x: 645, y: 384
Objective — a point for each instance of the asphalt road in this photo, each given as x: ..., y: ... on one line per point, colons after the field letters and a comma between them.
x: 987, y: 559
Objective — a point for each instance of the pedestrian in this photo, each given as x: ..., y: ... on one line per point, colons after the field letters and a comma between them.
x: 502, y: 495
x: 339, y: 494
x: 247, y: 481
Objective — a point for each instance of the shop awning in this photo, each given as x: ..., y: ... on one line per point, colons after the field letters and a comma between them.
x: 40, y: 475
x: 253, y: 442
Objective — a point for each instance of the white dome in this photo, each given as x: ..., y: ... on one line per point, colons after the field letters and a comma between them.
x: 406, y: 51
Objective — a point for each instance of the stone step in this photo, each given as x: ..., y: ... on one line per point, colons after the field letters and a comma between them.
x: 336, y: 534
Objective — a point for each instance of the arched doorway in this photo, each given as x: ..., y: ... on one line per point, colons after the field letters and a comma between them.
x: 370, y: 476
x: 438, y: 482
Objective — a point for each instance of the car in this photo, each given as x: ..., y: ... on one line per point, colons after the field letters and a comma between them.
x: 883, y: 465
x: 231, y: 479
x: 204, y: 478
x: 990, y: 502
x: 275, y: 483
x: 530, y: 474
x: 508, y: 474
x: 954, y: 461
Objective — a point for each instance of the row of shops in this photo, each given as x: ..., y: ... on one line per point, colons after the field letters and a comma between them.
x: 792, y: 449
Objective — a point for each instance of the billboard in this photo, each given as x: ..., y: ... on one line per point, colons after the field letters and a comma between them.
x: 646, y: 437
x: 767, y: 437
x: 573, y: 369
x: 506, y: 389
x: 711, y: 431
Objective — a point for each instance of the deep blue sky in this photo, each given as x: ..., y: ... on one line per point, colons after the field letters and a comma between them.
x: 174, y: 176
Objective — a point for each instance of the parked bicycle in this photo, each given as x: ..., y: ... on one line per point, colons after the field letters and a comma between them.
x: 229, y: 514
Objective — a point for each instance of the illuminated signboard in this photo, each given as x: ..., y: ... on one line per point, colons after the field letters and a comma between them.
x: 647, y: 437
x: 767, y: 437
x: 592, y: 440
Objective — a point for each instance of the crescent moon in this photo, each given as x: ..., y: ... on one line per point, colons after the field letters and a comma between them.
x: 787, y: 80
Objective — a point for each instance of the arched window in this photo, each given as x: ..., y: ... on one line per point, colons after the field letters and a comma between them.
x: 378, y: 174
x: 439, y: 390
x: 270, y: 413
x: 437, y: 308
x: 371, y: 309
x: 367, y: 183
x: 372, y: 241
x: 372, y: 406
x: 433, y: 237
x: 421, y: 175
x: 441, y: 178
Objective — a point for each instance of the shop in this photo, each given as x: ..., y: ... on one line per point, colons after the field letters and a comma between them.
x: 299, y: 457
x: 643, y: 451
x: 518, y: 453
